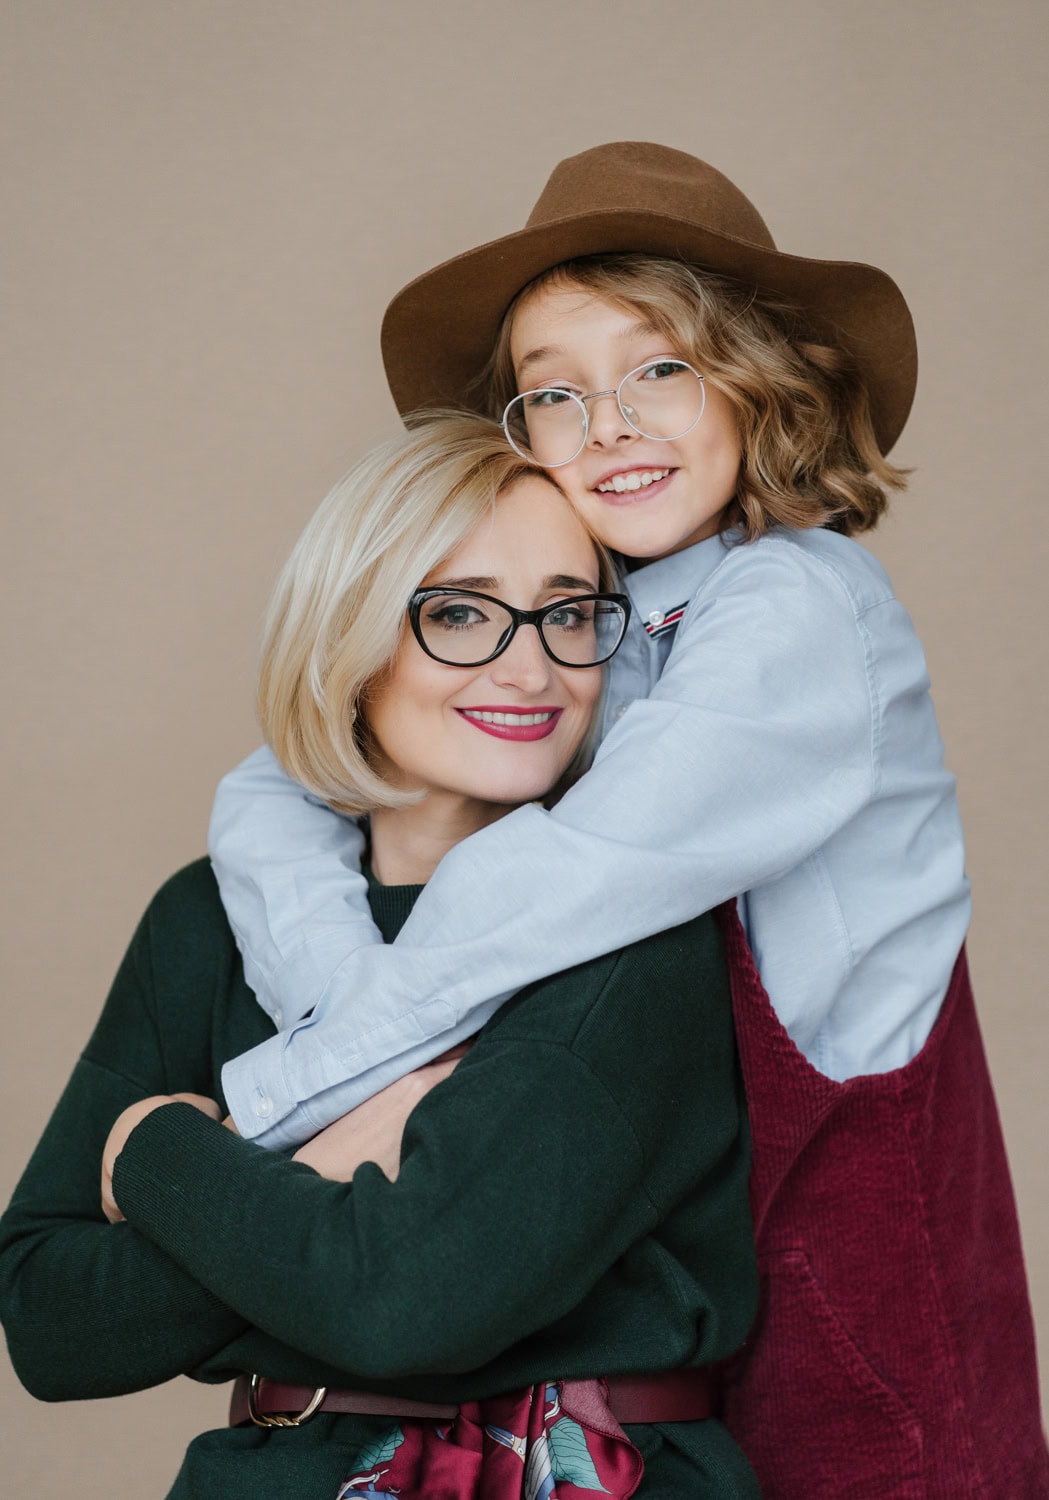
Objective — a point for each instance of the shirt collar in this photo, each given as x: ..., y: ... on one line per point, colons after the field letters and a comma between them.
x: 662, y: 586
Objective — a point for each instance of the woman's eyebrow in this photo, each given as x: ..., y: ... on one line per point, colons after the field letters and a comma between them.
x: 568, y: 581
x: 464, y: 583
x: 487, y: 585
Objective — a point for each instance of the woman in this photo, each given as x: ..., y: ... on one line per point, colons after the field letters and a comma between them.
x: 570, y: 1203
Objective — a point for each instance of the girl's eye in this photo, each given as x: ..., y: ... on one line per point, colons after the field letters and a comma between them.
x: 547, y: 398
x: 663, y: 369
x: 456, y: 615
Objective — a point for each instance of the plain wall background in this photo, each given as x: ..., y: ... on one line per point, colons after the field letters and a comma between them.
x: 208, y: 206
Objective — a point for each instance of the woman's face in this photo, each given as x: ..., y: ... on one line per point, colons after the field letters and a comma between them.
x: 564, y: 336
x: 432, y: 724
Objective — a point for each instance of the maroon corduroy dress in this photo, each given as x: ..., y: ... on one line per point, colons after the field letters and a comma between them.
x: 893, y: 1357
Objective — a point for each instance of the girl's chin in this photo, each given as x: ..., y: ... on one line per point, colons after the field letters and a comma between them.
x: 648, y: 544
x: 643, y: 549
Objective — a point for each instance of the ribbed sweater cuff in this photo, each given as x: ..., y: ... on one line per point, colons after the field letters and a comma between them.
x: 176, y: 1162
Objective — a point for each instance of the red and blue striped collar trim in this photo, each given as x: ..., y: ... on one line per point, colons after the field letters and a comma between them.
x: 659, y: 623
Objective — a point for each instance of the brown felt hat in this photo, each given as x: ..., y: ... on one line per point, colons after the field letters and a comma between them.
x: 439, y: 331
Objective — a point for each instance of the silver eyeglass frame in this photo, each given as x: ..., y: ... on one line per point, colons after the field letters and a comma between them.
x: 582, y: 399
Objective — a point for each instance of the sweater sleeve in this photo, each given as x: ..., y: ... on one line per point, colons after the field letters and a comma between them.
x: 389, y: 1279
x: 93, y: 1309
x: 524, y: 1178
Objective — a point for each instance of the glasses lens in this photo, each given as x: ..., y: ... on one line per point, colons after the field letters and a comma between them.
x: 664, y: 399
x: 461, y: 629
x: 548, y: 426
x: 583, y: 632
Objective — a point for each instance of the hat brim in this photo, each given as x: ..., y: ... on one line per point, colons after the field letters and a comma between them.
x: 439, y: 331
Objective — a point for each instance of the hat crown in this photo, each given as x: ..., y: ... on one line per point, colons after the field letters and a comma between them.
x: 639, y: 176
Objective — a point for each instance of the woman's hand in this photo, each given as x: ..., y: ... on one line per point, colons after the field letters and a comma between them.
x: 125, y: 1124
x: 373, y: 1131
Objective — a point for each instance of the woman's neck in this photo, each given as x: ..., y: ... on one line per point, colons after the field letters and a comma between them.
x: 408, y: 843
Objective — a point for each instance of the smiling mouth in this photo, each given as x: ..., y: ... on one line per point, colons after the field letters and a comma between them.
x: 637, y: 479
x: 513, y: 723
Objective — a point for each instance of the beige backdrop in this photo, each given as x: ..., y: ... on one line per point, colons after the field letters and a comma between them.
x: 209, y: 204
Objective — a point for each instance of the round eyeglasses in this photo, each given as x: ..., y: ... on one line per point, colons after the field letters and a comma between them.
x: 462, y: 628
x: 662, y: 399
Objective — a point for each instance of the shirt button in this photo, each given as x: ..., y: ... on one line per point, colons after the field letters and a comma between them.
x: 264, y: 1108
x: 277, y: 1016
x: 618, y: 712
x: 656, y: 617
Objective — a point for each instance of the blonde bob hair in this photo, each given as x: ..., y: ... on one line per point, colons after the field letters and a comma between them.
x: 810, y: 457
x: 338, y: 613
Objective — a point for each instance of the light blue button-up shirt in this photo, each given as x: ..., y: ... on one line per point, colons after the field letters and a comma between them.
x: 778, y: 745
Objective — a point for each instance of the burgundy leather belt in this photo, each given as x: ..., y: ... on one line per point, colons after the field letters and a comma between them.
x: 661, y: 1396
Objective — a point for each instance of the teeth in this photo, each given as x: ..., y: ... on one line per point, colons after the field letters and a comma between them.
x: 640, y: 479
x: 514, y: 719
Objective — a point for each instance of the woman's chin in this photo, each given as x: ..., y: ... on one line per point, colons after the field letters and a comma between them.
x: 502, y: 798
x: 513, y: 776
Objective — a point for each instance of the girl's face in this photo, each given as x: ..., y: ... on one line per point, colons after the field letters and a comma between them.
x: 502, y: 734
x: 563, y: 336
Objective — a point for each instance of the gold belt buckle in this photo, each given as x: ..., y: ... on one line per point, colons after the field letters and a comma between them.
x: 262, y: 1419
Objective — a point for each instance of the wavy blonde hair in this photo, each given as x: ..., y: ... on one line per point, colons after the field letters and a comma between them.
x: 338, y: 613
x: 810, y: 457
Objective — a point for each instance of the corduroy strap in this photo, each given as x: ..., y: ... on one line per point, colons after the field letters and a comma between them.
x: 659, y: 1396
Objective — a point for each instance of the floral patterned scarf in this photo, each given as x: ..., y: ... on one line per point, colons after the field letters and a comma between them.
x: 549, y: 1442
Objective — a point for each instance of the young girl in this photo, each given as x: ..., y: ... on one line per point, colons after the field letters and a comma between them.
x: 718, y: 412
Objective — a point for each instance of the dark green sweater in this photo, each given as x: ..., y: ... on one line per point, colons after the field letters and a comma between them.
x: 571, y: 1202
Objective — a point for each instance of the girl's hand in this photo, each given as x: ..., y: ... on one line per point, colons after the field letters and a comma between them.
x: 125, y: 1124
x: 373, y: 1131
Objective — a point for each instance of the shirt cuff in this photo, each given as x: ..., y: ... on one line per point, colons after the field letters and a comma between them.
x: 285, y: 1089
x: 281, y: 1093
x: 257, y: 1097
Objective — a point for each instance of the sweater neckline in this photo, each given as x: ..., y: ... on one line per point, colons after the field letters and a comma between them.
x: 390, y: 904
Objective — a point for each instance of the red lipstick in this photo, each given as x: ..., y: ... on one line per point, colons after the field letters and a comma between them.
x: 506, y: 723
